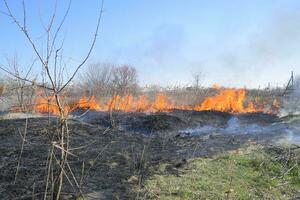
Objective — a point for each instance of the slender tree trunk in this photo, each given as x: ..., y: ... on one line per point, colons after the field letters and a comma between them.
x: 63, y: 156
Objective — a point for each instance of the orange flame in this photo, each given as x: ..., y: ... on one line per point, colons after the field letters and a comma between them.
x: 142, y: 103
x: 48, y: 104
x: 86, y: 103
x: 226, y: 100
x: 161, y: 104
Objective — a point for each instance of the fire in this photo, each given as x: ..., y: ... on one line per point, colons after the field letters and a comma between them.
x: 161, y: 104
x: 86, y: 103
x: 226, y: 100
x: 118, y: 103
x: 48, y: 105
x: 142, y: 103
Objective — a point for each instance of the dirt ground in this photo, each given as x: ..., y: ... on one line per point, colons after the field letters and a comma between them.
x: 112, y: 162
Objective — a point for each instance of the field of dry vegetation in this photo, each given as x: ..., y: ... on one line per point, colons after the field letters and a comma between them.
x: 97, y: 133
x: 169, y: 152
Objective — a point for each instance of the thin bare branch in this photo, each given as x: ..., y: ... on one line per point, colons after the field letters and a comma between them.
x: 4, y: 13
x: 24, y: 14
x: 24, y: 31
x: 48, y: 31
x: 64, y: 172
x: 66, y: 151
x: 30, y: 68
x: 89, y: 52
x: 55, y: 66
x: 96, y: 158
x: 49, y: 164
x: 25, y: 79
x: 59, y: 27
x: 74, y: 178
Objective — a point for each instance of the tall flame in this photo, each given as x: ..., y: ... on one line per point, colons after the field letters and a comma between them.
x: 48, y: 105
x: 86, y: 103
x: 226, y: 100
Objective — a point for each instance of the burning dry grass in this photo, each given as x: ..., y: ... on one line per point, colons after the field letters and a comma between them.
x: 226, y: 100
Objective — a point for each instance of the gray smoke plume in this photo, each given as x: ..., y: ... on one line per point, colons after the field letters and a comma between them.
x: 291, y: 101
x: 284, y: 132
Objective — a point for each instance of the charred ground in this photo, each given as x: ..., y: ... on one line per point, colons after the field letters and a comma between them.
x: 113, y: 162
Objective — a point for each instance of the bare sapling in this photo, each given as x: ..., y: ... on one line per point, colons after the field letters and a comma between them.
x: 49, y: 59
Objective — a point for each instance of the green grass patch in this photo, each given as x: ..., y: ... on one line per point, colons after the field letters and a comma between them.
x: 256, y: 173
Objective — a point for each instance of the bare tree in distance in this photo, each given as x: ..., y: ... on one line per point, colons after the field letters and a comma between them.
x: 24, y: 91
x: 197, y: 78
x: 96, y: 79
x: 103, y: 79
x: 124, y: 79
x: 49, y: 59
x: 196, y: 85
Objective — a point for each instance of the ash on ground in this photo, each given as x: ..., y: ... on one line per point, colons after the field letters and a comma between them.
x: 118, y: 156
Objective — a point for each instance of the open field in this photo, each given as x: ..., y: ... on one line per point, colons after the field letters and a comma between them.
x: 138, y: 100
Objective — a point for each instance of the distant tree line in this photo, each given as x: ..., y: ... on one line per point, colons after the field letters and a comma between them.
x: 104, y: 79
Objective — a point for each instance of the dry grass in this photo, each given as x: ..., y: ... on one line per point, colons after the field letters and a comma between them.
x: 254, y: 173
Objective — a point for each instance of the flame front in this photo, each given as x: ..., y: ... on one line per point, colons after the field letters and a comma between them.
x: 226, y: 100
x: 48, y: 105
x: 86, y: 103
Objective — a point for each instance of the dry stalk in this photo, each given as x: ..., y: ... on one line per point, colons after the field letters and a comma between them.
x: 75, y: 180
x: 49, y: 164
x: 139, y: 172
x: 82, y: 173
x: 94, y: 161
x: 22, y: 148
x: 295, y: 165
x: 63, y: 174
x: 33, y: 191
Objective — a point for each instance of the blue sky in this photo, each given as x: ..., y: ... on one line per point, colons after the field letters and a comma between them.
x: 231, y: 42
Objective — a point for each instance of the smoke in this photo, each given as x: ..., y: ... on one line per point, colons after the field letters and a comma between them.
x: 252, y: 51
x: 165, y: 43
x: 263, y: 52
x: 291, y: 102
x: 293, y: 131
x: 292, y: 137
x: 266, y: 53
x: 156, y: 54
x: 285, y: 132
x: 236, y: 127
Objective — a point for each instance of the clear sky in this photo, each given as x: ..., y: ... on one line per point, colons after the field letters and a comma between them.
x: 231, y: 42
